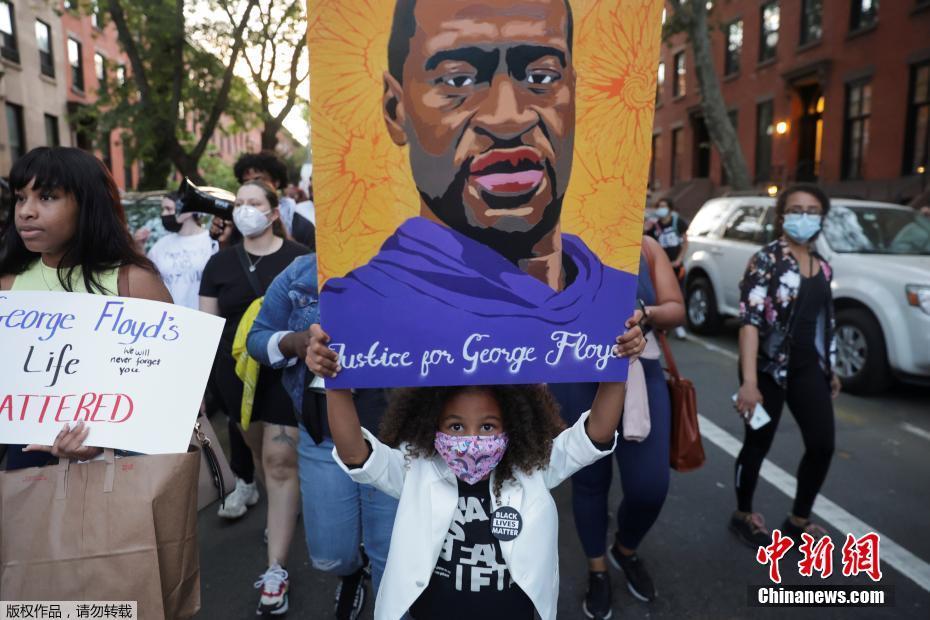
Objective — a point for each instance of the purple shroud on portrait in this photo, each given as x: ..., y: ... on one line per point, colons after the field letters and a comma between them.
x: 433, y: 289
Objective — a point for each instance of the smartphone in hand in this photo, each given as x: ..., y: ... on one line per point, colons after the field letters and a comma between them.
x: 759, y: 418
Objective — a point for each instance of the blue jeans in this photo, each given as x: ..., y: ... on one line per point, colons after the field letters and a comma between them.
x: 339, y: 513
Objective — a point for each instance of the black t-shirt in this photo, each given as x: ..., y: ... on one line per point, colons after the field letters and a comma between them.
x: 471, y: 579
x: 225, y: 279
x: 812, y: 298
x: 671, y: 236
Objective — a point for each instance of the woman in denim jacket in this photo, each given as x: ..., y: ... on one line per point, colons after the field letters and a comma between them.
x: 787, y: 353
x: 339, y: 514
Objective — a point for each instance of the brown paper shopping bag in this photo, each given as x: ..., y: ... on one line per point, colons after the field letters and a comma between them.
x: 117, y: 529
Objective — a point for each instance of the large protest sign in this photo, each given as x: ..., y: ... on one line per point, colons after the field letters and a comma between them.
x: 480, y: 169
x: 133, y: 370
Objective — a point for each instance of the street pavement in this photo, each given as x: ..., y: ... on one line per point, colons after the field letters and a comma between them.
x: 879, y: 479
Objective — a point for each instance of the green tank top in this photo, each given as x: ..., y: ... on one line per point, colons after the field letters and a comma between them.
x: 41, y: 277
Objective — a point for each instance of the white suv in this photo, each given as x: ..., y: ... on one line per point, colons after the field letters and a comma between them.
x: 880, y: 254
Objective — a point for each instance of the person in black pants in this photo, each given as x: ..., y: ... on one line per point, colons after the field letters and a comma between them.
x: 787, y: 349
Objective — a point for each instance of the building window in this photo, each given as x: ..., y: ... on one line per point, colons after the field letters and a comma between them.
x: 811, y: 21
x: 8, y: 47
x: 660, y: 82
x: 120, y: 74
x: 917, y: 145
x: 734, y: 47
x: 864, y: 14
x: 16, y: 131
x: 100, y: 69
x: 95, y: 17
x: 652, y: 161
x: 678, y: 151
x: 44, y: 42
x: 678, y: 86
x: 76, y: 60
x: 764, y: 116
x: 770, y: 17
x: 51, y: 131
x: 856, y: 135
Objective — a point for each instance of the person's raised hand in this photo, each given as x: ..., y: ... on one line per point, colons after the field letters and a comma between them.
x: 633, y: 342
x: 320, y: 359
x: 69, y: 444
x: 295, y: 344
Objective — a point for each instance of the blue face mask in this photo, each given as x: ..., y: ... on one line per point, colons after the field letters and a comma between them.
x: 802, y: 227
x: 662, y: 212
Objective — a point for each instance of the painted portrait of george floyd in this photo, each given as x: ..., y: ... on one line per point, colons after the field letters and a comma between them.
x: 480, y: 169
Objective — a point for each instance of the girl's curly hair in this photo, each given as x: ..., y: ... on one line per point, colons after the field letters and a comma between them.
x: 529, y: 412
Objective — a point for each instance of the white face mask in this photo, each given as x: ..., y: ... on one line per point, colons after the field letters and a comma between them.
x: 251, y: 221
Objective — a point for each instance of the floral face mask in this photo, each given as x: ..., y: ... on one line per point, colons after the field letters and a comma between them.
x: 471, y: 457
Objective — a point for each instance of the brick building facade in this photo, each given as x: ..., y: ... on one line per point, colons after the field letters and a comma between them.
x: 832, y: 91
x: 53, y: 59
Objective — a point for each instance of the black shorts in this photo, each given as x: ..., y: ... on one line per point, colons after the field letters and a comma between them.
x: 272, y: 405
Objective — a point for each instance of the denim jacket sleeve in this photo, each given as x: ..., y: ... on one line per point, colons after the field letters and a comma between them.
x: 274, y: 315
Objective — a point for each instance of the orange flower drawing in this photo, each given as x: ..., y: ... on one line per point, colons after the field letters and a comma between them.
x: 362, y: 181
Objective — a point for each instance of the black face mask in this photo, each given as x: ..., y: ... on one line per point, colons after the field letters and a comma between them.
x: 170, y: 223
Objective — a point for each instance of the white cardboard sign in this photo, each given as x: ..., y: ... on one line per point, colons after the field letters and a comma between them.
x: 131, y: 369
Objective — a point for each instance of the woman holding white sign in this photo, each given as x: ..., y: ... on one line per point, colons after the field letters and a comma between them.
x: 232, y: 280
x: 69, y: 234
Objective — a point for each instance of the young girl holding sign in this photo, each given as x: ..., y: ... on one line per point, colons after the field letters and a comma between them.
x: 69, y: 234
x: 476, y: 528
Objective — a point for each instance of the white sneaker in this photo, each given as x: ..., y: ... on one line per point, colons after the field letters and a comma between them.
x: 274, y: 585
x: 237, y: 502
x: 680, y: 333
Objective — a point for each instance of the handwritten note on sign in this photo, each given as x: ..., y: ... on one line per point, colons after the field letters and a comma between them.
x: 133, y: 370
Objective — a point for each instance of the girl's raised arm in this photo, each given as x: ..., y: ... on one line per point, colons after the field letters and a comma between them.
x: 344, y: 426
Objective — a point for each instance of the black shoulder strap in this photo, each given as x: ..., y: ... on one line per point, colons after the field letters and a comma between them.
x: 249, y: 274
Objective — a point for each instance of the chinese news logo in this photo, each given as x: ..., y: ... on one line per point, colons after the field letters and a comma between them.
x: 859, y: 556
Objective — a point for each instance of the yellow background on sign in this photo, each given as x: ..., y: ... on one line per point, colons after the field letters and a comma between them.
x: 362, y: 183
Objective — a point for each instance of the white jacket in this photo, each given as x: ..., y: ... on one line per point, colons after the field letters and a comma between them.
x: 428, y: 494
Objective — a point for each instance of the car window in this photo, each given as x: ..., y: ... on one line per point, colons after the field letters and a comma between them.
x: 708, y: 219
x: 768, y: 226
x: 746, y: 224
x: 870, y: 229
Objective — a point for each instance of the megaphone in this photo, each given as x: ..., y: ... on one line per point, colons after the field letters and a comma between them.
x: 210, y: 200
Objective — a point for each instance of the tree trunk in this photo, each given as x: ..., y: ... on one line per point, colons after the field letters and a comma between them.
x: 155, y: 172
x: 270, y: 135
x: 716, y: 117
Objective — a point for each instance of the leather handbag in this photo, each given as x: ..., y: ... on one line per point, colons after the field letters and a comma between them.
x: 216, y: 479
x: 686, y: 452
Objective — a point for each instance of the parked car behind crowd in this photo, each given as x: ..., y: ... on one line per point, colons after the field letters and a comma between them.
x: 880, y: 254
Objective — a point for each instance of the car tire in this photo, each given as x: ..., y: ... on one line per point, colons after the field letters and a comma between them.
x: 861, y: 360
x: 701, y: 307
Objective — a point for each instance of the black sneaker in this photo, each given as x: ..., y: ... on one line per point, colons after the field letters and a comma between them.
x: 350, y: 596
x: 751, y: 530
x: 638, y: 581
x: 597, y: 600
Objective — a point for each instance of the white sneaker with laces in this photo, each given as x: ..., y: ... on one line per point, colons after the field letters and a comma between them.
x: 274, y: 585
x: 680, y: 333
x: 244, y: 495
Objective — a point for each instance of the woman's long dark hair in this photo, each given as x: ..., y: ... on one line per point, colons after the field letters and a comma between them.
x: 102, y: 241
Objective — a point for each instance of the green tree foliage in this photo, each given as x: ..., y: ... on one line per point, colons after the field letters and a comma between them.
x: 177, y: 89
x: 276, y: 42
